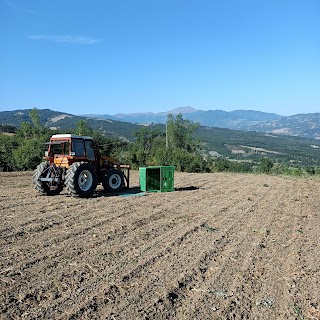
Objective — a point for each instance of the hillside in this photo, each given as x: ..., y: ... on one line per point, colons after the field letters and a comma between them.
x: 248, y: 145
x: 302, y: 125
x: 214, y: 118
x: 63, y: 122
x: 143, y: 118
x: 234, y: 144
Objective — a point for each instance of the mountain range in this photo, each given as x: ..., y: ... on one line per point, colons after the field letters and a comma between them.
x: 243, y: 145
x: 301, y: 125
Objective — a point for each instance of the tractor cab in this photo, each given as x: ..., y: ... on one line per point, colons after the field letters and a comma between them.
x: 65, y: 149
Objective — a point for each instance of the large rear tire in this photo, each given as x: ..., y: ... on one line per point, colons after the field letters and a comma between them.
x: 113, y: 181
x: 81, y: 180
x: 43, y: 187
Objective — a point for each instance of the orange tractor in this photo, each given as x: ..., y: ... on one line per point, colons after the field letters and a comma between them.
x: 74, y: 162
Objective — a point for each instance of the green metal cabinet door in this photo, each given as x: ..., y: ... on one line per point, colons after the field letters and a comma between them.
x: 143, y: 179
x: 167, y: 178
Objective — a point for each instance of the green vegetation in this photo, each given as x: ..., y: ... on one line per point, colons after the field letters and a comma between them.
x: 235, y: 145
x: 181, y: 143
x: 24, y: 150
x: 180, y: 149
x: 248, y: 145
x: 4, y: 128
x: 208, y: 228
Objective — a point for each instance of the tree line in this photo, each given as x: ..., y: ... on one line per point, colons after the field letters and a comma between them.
x: 177, y: 146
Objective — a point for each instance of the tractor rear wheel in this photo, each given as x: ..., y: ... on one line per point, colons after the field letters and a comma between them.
x: 44, y: 188
x: 81, y: 180
x: 113, y: 181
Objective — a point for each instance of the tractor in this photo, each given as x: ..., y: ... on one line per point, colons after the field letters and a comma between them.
x: 74, y: 162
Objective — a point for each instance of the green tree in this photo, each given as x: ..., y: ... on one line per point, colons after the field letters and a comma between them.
x: 183, y: 152
x: 29, y: 153
x: 25, y: 131
x: 180, y: 133
x: 148, y: 142
x: 265, y: 165
x: 7, y: 145
x: 279, y: 168
x: 310, y: 170
x: 83, y: 129
x: 29, y: 150
x: 35, y: 119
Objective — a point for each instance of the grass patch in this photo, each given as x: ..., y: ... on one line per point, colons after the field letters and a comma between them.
x: 297, y: 310
x: 208, y: 228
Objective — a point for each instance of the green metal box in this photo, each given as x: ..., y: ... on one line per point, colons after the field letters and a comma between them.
x: 157, y: 178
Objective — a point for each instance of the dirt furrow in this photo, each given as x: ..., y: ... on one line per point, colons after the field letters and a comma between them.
x: 191, y: 252
x: 221, y: 284
x: 223, y: 246
x: 70, y: 230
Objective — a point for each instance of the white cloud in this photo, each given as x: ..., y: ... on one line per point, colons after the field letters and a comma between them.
x: 66, y: 39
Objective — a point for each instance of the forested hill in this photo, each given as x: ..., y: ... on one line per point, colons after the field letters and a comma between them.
x: 64, y: 121
x: 249, y: 145
x: 234, y: 144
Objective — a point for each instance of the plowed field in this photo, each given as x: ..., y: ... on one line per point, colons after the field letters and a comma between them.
x: 222, y: 246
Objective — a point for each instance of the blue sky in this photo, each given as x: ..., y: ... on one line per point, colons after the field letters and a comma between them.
x: 110, y: 56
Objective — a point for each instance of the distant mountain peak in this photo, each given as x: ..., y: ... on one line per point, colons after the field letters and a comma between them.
x: 182, y: 110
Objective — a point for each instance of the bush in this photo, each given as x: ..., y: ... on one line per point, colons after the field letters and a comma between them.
x: 265, y: 166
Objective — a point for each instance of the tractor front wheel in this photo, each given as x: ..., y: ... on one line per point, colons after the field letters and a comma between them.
x: 81, y: 180
x: 45, y: 188
x: 113, y: 181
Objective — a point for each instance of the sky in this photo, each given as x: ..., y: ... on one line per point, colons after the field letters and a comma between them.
x: 111, y: 56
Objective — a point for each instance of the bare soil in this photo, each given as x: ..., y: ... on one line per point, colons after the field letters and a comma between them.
x: 222, y: 246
